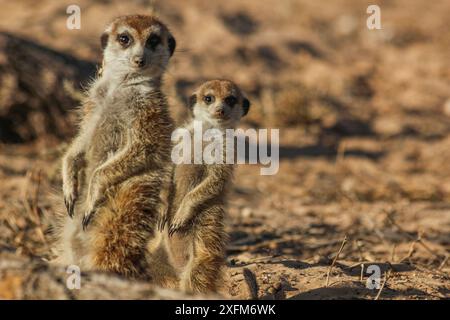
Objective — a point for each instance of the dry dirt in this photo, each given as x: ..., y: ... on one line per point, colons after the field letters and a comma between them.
x: 364, y: 119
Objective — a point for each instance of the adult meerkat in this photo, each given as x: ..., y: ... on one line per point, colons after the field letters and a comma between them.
x: 195, y: 234
x: 113, y: 170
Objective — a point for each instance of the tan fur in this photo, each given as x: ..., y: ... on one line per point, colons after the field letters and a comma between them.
x: 114, y: 169
x: 195, y: 237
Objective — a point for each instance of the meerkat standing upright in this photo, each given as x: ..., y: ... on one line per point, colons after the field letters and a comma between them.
x: 195, y: 236
x: 113, y: 170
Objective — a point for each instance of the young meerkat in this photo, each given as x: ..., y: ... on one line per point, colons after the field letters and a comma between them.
x: 195, y: 236
x: 114, y: 168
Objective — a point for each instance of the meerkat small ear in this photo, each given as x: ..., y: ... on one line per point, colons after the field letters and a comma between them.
x: 104, y: 40
x: 245, y: 106
x: 172, y: 44
x: 192, y: 101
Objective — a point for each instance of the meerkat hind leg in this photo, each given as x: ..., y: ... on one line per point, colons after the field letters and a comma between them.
x: 203, y: 272
x: 123, y: 226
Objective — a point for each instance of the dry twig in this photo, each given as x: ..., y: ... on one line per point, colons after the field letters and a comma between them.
x: 335, y: 259
x: 250, y: 279
x: 386, y: 277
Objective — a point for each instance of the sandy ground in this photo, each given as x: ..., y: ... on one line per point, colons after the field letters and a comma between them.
x: 364, y: 119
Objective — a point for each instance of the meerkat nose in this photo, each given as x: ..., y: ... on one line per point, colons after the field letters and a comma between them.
x: 219, y: 111
x: 139, y: 61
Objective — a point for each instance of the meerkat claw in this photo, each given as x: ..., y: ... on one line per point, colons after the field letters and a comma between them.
x: 70, y: 206
x: 162, y: 223
x: 66, y: 204
x: 174, y: 228
x: 87, y: 219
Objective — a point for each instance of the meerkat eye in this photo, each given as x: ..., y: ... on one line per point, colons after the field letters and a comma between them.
x: 153, y: 41
x: 208, y: 99
x: 124, y: 39
x: 231, y: 101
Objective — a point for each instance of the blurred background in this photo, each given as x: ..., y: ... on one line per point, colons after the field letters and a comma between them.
x: 364, y: 119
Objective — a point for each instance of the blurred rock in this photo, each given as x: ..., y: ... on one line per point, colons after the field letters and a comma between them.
x: 240, y: 23
x: 387, y: 126
x: 27, y: 278
x: 33, y: 100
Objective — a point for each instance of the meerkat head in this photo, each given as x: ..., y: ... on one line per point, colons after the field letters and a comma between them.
x: 220, y: 103
x: 137, y: 45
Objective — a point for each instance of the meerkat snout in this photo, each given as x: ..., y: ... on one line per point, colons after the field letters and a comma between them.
x: 139, y: 61
x: 220, y: 112
x: 137, y: 44
x: 219, y: 102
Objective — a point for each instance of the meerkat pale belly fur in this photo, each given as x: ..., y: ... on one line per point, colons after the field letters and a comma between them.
x: 194, y: 235
x: 115, y: 166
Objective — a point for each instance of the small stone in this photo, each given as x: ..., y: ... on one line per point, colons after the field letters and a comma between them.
x: 272, y: 290
x: 247, y: 212
x: 447, y: 107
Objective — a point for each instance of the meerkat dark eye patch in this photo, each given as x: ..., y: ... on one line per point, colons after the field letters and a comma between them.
x: 153, y: 41
x: 209, y: 99
x: 104, y: 40
x: 172, y: 44
x: 124, y: 39
x: 245, y: 106
x: 231, y: 101
x: 192, y: 101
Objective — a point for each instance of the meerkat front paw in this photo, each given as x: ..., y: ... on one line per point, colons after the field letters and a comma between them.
x: 162, y: 221
x: 91, y: 208
x: 181, y: 218
x: 70, y: 195
x: 163, y: 218
x: 94, y: 198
